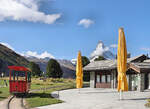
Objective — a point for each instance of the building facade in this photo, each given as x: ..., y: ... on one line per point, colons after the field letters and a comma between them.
x: 103, y: 74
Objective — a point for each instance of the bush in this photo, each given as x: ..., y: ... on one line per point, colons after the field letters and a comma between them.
x: 55, y: 80
x: 85, y: 61
x: 35, y: 69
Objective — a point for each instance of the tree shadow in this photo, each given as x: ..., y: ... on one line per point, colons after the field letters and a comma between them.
x: 0, y: 92
x: 41, y: 95
x: 148, y: 90
x: 138, y: 99
x: 86, y: 85
x: 97, y: 92
x: 3, y: 97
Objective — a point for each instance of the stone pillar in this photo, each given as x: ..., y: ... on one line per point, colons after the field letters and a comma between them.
x: 112, y: 80
x: 141, y: 82
x: 127, y: 79
x: 149, y: 80
x: 92, y: 79
x: 130, y: 82
x: 115, y: 79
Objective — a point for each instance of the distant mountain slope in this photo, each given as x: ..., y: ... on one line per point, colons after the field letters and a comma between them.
x: 66, y: 65
x: 101, y: 50
x: 3, y: 67
x: 11, y: 57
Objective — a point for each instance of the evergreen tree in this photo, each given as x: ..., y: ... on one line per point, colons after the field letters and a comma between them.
x: 85, y: 61
x: 53, y: 69
x: 35, y: 69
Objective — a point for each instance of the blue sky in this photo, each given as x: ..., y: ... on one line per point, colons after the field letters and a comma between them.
x: 63, y: 36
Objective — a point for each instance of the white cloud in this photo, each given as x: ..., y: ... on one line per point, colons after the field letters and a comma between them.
x: 7, y: 45
x: 35, y: 54
x: 25, y: 10
x: 113, y: 46
x: 86, y: 22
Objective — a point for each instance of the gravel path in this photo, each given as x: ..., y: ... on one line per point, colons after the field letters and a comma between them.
x: 14, y: 104
x: 3, y: 104
x: 99, y: 99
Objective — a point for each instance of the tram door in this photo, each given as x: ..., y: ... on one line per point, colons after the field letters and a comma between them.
x: 17, y: 82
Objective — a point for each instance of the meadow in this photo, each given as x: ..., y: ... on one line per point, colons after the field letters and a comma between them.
x: 40, y: 92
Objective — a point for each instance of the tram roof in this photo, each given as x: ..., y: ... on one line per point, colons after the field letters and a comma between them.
x: 18, y: 68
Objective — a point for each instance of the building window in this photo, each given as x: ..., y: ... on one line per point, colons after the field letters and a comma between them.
x: 103, y: 79
x: 98, y: 79
x: 108, y: 78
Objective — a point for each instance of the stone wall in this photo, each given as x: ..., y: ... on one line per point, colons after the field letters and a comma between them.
x: 129, y: 78
x: 113, y: 84
x: 114, y: 79
x: 103, y: 85
x: 92, y: 79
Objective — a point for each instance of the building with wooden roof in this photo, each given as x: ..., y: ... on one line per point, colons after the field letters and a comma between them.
x: 103, y: 74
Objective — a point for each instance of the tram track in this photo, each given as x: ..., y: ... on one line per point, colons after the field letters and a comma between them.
x: 16, y: 102
x: 8, y: 105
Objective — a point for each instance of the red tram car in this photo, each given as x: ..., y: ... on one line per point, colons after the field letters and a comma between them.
x: 19, y: 79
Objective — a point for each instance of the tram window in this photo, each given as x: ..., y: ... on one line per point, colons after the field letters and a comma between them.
x: 29, y: 76
x: 21, y: 75
x: 13, y: 75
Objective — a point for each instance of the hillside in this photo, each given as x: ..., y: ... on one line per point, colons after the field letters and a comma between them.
x: 11, y: 58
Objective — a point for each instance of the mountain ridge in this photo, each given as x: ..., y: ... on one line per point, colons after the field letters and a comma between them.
x: 11, y: 57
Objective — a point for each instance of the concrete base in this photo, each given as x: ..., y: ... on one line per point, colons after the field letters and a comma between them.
x: 99, y: 99
x: 92, y: 79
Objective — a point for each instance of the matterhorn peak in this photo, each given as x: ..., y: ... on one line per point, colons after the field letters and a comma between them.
x: 100, y: 45
x: 101, y: 50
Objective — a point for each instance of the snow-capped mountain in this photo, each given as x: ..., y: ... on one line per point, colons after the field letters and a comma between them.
x: 101, y: 50
x: 74, y: 61
x: 66, y: 63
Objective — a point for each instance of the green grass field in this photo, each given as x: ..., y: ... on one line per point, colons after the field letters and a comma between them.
x: 40, y: 94
x: 43, y: 97
x: 4, y: 91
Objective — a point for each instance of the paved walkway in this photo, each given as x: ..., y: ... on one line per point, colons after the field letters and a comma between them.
x: 99, y: 99
x: 14, y: 104
x: 3, y: 104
